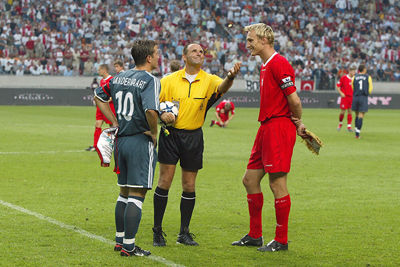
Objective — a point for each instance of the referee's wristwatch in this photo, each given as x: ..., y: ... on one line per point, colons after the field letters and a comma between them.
x: 230, y: 76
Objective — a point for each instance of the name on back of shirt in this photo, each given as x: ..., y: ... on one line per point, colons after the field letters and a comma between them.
x: 360, y: 78
x: 129, y: 82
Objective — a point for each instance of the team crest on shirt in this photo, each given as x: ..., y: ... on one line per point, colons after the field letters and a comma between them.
x: 286, y: 82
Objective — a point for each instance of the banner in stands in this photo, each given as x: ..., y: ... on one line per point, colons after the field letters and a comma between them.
x: 307, y: 85
x: 77, y: 97
x: 316, y: 100
x: 55, y: 97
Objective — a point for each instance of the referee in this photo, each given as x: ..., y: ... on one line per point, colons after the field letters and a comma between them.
x: 362, y: 88
x: 194, y: 91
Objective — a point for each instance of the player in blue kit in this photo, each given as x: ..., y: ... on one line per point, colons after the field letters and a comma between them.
x: 362, y: 88
x: 135, y: 94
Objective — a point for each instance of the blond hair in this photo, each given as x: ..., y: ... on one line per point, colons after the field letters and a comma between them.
x: 262, y: 31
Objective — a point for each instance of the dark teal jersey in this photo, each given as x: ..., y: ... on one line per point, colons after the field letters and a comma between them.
x: 362, y: 85
x: 132, y: 92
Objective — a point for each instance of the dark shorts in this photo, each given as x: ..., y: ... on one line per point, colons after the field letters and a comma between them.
x: 135, y: 158
x: 360, y: 103
x: 184, y: 145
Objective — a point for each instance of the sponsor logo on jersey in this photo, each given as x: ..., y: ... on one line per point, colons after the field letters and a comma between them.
x: 286, y: 82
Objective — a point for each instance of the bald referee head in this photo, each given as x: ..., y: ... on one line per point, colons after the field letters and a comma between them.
x: 193, y: 56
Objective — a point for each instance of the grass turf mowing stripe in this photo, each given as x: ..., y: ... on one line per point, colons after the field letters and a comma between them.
x: 81, y: 231
x: 39, y: 152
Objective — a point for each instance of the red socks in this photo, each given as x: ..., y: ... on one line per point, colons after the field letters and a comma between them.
x: 97, y: 133
x: 341, y: 116
x: 282, y: 209
x: 349, y: 119
x: 255, y: 202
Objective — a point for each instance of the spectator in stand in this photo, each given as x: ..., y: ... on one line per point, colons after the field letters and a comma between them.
x: 30, y: 46
x: 20, y: 71
x: 83, y: 56
x: 367, y: 29
x: 68, y: 71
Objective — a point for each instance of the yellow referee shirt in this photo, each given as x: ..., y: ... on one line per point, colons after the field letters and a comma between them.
x: 193, y: 99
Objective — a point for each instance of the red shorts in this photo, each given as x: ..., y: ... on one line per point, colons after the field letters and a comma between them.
x: 100, y: 116
x: 273, y: 147
x: 345, y: 102
x: 224, y: 116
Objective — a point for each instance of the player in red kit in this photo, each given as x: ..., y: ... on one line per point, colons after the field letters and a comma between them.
x: 280, y: 117
x: 345, y: 89
x: 100, y: 118
x: 222, y: 113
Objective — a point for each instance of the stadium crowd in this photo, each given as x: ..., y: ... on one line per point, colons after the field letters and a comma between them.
x: 321, y: 38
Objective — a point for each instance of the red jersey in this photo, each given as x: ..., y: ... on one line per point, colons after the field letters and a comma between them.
x: 221, y: 106
x: 345, y: 85
x: 276, y: 83
x: 99, y: 115
x: 106, y: 80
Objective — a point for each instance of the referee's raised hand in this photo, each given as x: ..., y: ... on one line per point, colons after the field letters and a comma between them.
x: 234, y: 70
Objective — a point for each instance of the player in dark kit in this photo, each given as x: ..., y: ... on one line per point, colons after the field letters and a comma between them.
x: 135, y: 94
x: 362, y: 88
x: 280, y: 114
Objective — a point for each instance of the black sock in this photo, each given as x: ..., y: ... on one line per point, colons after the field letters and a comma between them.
x: 160, y: 203
x: 132, y: 217
x: 356, y: 122
x: 360, y: 122
x: 188, y: 200
x: 119, y: 218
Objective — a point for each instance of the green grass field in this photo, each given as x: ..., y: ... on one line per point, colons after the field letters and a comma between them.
x: 345, y: 202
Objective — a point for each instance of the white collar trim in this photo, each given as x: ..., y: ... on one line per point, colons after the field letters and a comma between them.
x: 274, y: 54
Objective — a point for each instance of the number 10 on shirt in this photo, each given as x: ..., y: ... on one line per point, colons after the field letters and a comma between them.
x: 125, y: 105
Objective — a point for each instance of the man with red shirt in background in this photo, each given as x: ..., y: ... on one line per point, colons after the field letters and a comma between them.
x: 222, y: 113
x: 345, y: 90
x: 83, y: 56
x: 280, y: 117
x: 30, y: 46
x: 100, y: 118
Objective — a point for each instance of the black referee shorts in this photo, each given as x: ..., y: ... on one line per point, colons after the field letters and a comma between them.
x: 184, y: 145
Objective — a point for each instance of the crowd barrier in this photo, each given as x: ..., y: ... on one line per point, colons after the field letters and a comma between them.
x: 84, y: 97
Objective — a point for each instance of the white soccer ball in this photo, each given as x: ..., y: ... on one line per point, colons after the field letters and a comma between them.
x: 168, y: 106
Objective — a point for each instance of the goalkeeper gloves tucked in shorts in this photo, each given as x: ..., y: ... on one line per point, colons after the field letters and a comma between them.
x: 105, y: 145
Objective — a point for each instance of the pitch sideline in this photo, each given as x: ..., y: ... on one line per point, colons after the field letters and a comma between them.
x: 39, y: 152
x: 81, y: 231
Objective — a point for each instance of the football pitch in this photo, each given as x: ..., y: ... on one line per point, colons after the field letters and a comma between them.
x: 57, y: 203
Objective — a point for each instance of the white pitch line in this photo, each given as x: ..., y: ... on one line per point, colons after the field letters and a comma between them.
x: 39, y: 152
x: 81, y: 231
